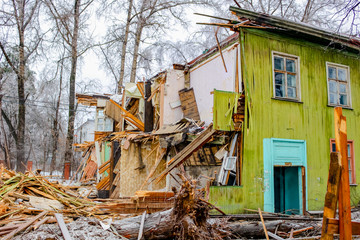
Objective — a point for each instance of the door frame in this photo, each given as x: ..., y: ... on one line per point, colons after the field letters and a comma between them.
x: 270, y: 162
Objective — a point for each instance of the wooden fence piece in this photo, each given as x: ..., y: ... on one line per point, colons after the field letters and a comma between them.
x: 332, y: 193
x: 62, y: 225
x: 344, y: 187
x: 184, y: 154
x: 24, y: 225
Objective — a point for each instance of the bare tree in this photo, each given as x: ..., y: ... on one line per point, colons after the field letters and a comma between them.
x: 20, y: 14
x: 349, y: 13
x: 68, y: 25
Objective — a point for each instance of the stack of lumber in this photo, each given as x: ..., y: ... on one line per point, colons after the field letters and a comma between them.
x: 151, y: 201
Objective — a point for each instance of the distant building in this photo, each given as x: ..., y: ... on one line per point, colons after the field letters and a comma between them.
x: 86, y: 131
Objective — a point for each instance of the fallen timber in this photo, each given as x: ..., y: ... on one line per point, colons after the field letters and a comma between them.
x: 160, y: 226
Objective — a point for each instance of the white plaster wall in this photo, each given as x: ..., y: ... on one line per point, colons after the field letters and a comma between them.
x: 175, y: 81
x: 210, y: 75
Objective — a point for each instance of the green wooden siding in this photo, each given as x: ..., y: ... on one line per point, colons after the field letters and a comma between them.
x: 311, y: 120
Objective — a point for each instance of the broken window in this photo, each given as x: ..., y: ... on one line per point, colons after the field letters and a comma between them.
x: 351, y: 159
x: 286, y: 76
x: 338, y: 85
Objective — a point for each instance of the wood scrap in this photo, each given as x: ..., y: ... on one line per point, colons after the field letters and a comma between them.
x: 65, y: 232
x: 273, y: 235
x: 130, y: 117
x: 263, y: 223
x: 142, y: 223
x: 184, y: 154
x: 24, y: 226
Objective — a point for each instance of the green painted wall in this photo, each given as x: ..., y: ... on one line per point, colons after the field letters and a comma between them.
x: 311, y: 120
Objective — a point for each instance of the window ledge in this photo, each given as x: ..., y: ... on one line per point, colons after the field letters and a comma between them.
x: 344, y: 107
x: 287, y: 100
x: 353, y: 184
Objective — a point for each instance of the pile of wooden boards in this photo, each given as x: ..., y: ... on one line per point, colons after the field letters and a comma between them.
x: 150, y: 201
x: 19, y: 192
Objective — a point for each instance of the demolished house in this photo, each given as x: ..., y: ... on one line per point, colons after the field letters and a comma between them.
x: 251, y: 119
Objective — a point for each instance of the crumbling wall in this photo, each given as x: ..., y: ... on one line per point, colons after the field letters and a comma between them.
x: 134, y: 170
x: 175, y: 81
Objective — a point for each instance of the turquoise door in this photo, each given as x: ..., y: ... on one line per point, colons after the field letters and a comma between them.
x: 286, y: 190
x: 284, y: 175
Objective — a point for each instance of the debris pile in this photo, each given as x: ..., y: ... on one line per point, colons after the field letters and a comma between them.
x: 31, y: 204
x: 30, y: 193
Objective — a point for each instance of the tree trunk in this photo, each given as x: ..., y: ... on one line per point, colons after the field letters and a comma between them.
x: 123, y: 50
x: 55, y: 127
x: 45, y: 157
x: 139, y: 28
x: 20, y: 144
x: 160, y: 226
x: 5, y: 147
x: 70, y: 133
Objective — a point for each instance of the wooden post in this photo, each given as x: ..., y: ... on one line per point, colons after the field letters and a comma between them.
x: 67, y: 170
x: 331, y: 194
x: 344, y: 186
x: 123, y: 98
x: 149, y: 112
x: 30, y: 165
x: 111, y: 171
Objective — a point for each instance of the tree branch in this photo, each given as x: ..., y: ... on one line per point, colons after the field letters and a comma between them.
x: 8, y: 60
x: 11, y: 127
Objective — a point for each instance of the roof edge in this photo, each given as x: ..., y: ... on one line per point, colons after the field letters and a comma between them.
x: 295, y: 26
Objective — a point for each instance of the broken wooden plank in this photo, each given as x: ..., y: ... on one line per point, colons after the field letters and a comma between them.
x: 188, y: 104
x: 104, y: 164
x: 333, y: 226
x: 62, y: 225
x: 24, y: 225
x: 129, y: 117
x: 263, y: 223
x: 140, y: 86
x: 296, y: 232
x: 184, y: 154
x: 39, y: 223
x: 103, y: 182
x: 142, y: 223
x: 220, y: 51
x: 331, y: 196
x: 274, y: 236
x: 344, y: 187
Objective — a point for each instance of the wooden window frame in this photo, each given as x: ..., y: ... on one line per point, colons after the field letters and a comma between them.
x: 351, y: 158
x: 104, y: 118
x: 348, y: 85
x: 297, y: 74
